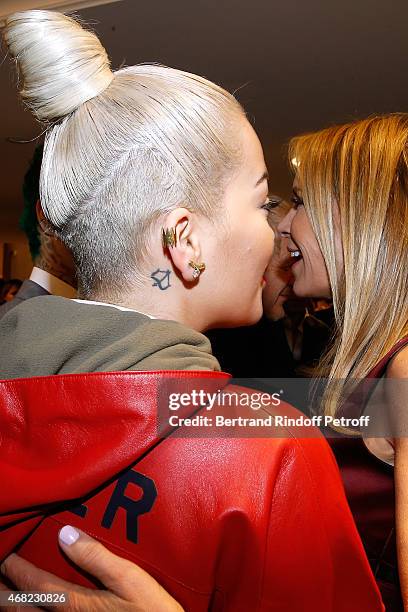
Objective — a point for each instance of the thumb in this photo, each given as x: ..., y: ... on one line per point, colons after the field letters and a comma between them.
x: 91, y: 556
x: 121, y: 577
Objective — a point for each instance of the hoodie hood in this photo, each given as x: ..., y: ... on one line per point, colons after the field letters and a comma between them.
x: 64, y: 436
x: 53, y: 335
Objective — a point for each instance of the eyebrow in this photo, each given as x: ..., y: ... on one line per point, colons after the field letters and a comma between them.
x: 264, y: 177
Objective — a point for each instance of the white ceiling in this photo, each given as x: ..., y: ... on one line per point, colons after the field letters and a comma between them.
x: 298, y: 65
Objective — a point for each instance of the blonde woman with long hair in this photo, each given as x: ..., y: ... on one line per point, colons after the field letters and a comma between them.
x: 349, y: 240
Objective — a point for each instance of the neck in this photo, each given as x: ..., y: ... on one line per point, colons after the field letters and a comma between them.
x: 165, y: 297
x: 55, y: 259
x: 169, y: 308
x: 57, y: 269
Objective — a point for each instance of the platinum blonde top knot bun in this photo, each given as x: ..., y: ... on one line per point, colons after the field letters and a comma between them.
x: 61, y: 64
x: 140, y: 143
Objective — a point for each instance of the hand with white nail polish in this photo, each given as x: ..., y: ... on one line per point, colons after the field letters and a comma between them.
x: 128, y: 587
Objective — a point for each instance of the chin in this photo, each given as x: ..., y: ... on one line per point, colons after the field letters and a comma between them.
x: 254, y: 317
x: 249, y: 318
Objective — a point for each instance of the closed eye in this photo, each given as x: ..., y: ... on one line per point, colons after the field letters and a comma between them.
x: 271, y: 203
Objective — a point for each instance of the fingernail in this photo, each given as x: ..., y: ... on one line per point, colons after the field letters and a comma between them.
x: 68, y: 535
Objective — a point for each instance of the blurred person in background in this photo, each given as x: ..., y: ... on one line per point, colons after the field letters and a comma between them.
x: 53, y: 267
x: 9, y: 290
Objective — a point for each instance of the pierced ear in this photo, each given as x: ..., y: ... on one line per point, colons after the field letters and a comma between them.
x: 182, y: 230
x: 45, y: 226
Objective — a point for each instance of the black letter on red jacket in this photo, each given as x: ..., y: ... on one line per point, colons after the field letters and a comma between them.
x: 133, y: 508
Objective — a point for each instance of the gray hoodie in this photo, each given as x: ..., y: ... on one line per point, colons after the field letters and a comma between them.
x: 54, y: 335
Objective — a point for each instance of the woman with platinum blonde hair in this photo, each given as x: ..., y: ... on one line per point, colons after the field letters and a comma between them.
x: 151, y: 176
x: 349, y: 239
x: 131, y: 152
x: 156, y: 182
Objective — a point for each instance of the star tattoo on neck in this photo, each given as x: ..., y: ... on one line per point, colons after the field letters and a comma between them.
x: 161, y: 279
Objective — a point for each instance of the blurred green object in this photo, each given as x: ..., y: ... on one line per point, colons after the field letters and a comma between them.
x: 31, y: 194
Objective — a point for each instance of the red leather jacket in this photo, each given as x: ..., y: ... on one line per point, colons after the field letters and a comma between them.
x: 224, y: 523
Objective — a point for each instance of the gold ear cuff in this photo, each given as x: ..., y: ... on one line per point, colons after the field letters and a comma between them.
x: 168, y: 236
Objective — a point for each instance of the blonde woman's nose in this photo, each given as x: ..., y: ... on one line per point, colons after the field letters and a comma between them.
x: 284, y: 225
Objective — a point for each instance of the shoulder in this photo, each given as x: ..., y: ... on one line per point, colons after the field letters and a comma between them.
x: 169, y: 345
x: 4, y: 308
x: 28, y: 290
x: 177, y: 331
x: 398, y: 366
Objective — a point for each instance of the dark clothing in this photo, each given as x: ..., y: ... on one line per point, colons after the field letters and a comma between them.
x: 369, y: 485
x: 260, y: 356
x: 262, y: 350
x: 29, y: 289
x: 55, y: 335
x: 258, y: 351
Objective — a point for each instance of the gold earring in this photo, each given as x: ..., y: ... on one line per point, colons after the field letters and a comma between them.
x: 197, y: 268
x: 168, y: 236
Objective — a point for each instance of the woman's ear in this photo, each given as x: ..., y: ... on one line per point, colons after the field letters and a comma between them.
x: 182, y: 242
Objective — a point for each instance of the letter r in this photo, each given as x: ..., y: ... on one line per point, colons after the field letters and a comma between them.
x: 133, y: 508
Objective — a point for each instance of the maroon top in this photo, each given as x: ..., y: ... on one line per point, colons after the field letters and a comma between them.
x: 369, y: 485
